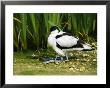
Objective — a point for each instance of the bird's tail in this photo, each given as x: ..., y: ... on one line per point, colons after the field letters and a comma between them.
x: 87, y: 47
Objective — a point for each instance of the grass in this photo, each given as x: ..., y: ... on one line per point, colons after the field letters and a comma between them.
x: 81, y: 63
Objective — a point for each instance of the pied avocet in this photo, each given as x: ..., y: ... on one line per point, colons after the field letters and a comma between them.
x: 62, y: 42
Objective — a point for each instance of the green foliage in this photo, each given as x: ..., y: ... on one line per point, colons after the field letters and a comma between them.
x: 31, y: 30
x: 84, y: 26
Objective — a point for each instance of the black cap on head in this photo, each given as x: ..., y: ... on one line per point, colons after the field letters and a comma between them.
x: 54, y: 28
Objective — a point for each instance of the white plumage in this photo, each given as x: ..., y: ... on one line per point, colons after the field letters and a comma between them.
x: 62, y: 42
x: 67, y: 41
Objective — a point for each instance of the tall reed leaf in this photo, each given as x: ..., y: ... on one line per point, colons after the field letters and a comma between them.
x: 23, y: 30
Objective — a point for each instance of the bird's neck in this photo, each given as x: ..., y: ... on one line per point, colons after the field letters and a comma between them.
x: 54, y: 32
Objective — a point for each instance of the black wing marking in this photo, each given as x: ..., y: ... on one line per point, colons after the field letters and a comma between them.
x: 58, y: 36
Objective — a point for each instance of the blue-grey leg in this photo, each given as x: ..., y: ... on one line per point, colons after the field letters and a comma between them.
x: 66, y: 57
x: 56, y: 57
x: 61, y: 58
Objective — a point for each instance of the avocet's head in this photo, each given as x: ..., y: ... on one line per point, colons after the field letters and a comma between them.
x: 54, y: 29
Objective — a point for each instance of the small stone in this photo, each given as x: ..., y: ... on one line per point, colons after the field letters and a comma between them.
x: 70, y: 62
x: 71, y: 69
x: 85, y: 55
x: 71, y: 54
x: 82, y: 68
x: 77, y: 69
x: 73, y: 66
x: 94, y: 60
x: 78, y: 59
